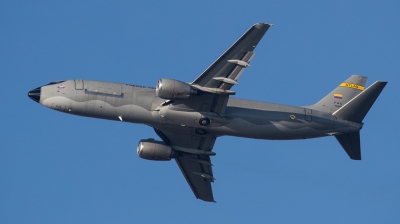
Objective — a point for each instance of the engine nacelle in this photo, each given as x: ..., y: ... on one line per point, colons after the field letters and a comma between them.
x: 173, y: 89
x: 155, y: 150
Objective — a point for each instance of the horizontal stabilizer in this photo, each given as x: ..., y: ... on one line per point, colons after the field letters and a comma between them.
x: 351, y: 144
x: 356, y: 109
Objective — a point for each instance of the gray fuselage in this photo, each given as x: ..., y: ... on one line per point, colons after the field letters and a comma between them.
x: 139, y: 104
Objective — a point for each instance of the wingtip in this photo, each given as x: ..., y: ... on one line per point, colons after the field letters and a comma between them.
x: 379, y: 82
x: 259, y: 25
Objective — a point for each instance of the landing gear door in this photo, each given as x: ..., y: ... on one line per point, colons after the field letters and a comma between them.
x: 78, y: 84
x: 308, y: 114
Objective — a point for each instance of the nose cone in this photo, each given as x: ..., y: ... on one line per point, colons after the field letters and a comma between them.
x: 34, y: 94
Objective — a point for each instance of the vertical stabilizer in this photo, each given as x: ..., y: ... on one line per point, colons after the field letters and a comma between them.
x: 346, y: 91
x: 351, y: 144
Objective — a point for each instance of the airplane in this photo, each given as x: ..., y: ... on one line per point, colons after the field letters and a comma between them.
x: 189, y: 116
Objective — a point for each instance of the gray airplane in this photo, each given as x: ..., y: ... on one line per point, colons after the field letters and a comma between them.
x: 188, y: 117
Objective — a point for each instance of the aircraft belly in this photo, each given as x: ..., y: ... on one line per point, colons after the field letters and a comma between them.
x: 290, y: 124
x: 273, y: 131
x: 181, y: 118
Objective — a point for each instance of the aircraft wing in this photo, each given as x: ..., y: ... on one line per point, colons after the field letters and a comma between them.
x: 226, y: 70
x: 198, y: 175
x: 195, y: 144
x: 194, y: 161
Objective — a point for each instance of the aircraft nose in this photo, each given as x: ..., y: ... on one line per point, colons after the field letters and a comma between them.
x: 34, y: 94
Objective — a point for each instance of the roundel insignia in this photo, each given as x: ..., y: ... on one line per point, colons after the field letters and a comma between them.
x: 292, y: 117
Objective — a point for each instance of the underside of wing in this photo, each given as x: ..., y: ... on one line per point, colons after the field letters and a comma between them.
x: 197, y: 171
x: 193, y: 160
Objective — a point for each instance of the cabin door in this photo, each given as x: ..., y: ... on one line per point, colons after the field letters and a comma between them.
x: 78, y: 84
x: 308, y: 114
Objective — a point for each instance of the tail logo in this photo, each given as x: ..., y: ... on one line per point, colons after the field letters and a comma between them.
x: 352, y: 85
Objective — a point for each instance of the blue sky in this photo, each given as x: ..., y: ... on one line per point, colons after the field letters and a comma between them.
x: 58, y: 168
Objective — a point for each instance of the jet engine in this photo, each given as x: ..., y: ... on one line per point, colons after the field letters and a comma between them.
x: 173, y: 89
x: 155, y: 150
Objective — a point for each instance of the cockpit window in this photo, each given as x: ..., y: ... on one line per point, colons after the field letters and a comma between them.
x: 52, y: 83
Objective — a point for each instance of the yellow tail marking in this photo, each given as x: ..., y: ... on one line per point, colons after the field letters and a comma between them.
x: 352, y: 85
